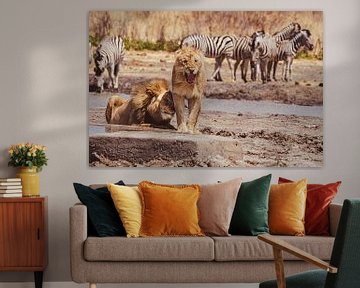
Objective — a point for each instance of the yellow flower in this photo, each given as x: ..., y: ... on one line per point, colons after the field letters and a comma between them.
x: 40, y: 147
x: 27, y: 151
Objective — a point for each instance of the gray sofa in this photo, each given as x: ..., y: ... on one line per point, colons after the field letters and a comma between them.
x: 234, y: 259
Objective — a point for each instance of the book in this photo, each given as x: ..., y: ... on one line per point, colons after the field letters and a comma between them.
x: 10, y: 187
x: 10, y: 180
x: 10, y: 191
x: 4, y: 195
x: 10, y: 183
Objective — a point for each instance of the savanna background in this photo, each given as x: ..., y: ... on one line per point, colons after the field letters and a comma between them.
x: 163, y: 30
x: 276, y: 124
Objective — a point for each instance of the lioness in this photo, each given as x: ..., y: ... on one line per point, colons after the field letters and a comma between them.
x: 150, y: 103
x: 188, y: 82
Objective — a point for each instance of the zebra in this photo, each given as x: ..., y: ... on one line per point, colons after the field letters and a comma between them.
x: 218, y: 47
x: 287, y: 32
x: 109, y: 55
x: 288, y: 49
x: 263, y: 49
x: 242, y: 53
x: 284, y: 34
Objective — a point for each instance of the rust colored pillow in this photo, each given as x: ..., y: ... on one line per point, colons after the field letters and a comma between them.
x: 319, y: 197
x: 287, y: 208
x: 169, y: 210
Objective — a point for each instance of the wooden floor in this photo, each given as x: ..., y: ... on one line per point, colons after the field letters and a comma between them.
x: 74, y: 285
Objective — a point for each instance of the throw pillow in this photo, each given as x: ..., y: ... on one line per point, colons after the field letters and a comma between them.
x: 287, y: 208
x: 169, y: 210
x: 102, y: 214
x: 319, y: 197
x: 250, y: 215
x: 128, y: 204
x: 216, y: 206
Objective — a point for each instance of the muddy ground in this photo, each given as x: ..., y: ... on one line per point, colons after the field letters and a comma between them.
x: 268, y: 140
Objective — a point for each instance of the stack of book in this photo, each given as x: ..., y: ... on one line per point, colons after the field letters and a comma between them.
x: 10, y: 187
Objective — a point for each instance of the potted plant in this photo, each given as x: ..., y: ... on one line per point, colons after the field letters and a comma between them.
x: 30, y: 158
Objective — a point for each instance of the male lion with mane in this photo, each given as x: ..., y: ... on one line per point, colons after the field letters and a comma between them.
x: 151, y: 104
x: 188, y: 82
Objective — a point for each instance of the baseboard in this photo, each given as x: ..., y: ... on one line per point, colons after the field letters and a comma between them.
x: 74, y: 285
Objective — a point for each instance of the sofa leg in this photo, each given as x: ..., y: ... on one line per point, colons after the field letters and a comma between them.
x: 92, y: 285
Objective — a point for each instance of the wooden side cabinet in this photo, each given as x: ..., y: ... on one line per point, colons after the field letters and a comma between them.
x: 23, y: 235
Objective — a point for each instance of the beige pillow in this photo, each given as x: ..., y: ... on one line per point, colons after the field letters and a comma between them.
x: 216, y: 206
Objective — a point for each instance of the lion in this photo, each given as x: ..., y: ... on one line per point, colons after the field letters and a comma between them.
x: 116, y: 110
x: 151, y: 104
x: 188, y: 82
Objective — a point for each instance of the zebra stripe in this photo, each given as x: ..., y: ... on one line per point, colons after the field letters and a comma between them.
x: 109, y: 54
x: 263, y: 48
x: 288, y: 49
x: 218, y: 47
x: 212, y: 47
x: 287, y: 32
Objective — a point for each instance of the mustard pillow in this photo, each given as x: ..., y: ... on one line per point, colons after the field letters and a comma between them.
x: 287, y: 204
x: 127, y: 201
x: 169, y: 210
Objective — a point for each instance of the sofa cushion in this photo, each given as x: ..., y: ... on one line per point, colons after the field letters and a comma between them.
x: 250, y: 215
x: 318, y: 199
x: 216, y: 206
x: 169, y: 210
x: 102, y: 216
x: 287, y: 204
x: 149, y: 249
x: 245, y: 248
x: 127, y: 201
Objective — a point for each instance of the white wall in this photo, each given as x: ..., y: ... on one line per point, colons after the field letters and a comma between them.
x: 43, y: 64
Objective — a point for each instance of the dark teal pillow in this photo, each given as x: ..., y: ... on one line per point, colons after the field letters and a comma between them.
x: 250, y: 216
x: 103, y: 218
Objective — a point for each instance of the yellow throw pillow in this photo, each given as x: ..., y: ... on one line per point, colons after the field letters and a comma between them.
x: 287, y: 204
x: 127, y: 201
x: 169, y: 210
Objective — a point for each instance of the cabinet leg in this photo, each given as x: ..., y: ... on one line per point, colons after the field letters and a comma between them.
x: 38, y: 279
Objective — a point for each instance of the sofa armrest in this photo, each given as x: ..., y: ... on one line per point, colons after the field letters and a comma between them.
x: 78, y: 235
x: 334, y: 216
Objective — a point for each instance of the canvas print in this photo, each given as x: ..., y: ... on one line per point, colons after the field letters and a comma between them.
x: 205, y: 88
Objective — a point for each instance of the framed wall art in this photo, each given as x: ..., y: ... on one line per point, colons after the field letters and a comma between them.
x: 205, y: 88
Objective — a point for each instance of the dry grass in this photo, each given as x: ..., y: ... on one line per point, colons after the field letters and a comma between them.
x: 172, y: 26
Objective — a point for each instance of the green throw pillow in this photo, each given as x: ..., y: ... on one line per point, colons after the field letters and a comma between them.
x: 250, y: 216
x: 103, y: 218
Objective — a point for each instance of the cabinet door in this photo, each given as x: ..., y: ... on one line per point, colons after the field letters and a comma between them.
x: 21, y: 234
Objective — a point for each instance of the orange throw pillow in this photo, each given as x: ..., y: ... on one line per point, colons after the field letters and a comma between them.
x: 169, y: 210
x: 287, y: 204
x: 318, y: 200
